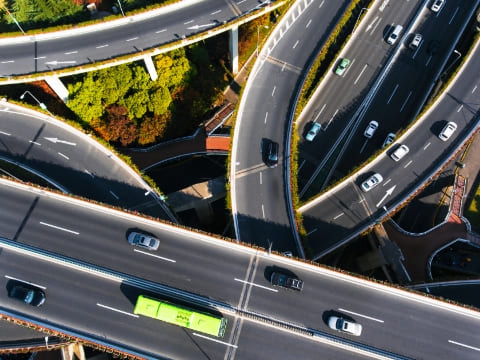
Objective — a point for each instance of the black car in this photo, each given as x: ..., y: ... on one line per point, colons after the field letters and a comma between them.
x: 289, y: 282
x: 271, y: 154
x: 28, y: 294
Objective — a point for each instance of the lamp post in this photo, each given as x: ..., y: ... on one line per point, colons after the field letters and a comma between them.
x: 42, y: 105
x: 453, y: 62
x: 258, y: 35
x: 13, y: 18
x: 119, y: 4
x: 358, y: 18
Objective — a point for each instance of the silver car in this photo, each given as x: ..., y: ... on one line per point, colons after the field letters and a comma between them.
x: 143, y: 240
x: 370, y: 130
x: 400, y: 152
x: 340, y: 324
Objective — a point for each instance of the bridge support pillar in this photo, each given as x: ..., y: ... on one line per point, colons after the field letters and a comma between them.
x: 150, y: 67
x: 233, y: 44
x: 56, y: 85
x: 73, y: 351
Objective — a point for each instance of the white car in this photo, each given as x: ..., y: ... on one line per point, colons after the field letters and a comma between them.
x: 416, y: 41
x: 388, y: 140
x: 143, y: 240
x: 447, y: 131
x: 400, y: 152
x: 437, y: 5
x: 371, y: 182
x: 340, y: 324
x: 370, y: 130
x: 314, y: 129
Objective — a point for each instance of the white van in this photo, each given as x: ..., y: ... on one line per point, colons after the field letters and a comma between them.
x: 395, y: 34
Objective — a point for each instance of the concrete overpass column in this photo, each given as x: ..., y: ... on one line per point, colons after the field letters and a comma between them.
x: 56, y: 85
x: 73, y: 351
x: 233, y: 44
x: 150, y: 67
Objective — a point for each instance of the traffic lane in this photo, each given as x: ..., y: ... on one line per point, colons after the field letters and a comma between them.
x: 265, y: 115
x: 264, y: 220
x: 383, y: 327
x: 370, y: 52
x: 100, y: 45
x: 100, y: 238
x: 339, y: 214
x: 87, y: 169
x: 92, y: 306
x: 274, y: 343
x: 300, y: 39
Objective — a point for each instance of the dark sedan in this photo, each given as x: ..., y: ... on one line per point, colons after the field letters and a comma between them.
x: 27, y: 293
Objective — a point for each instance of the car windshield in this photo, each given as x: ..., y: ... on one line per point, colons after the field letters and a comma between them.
x: 29, y: 297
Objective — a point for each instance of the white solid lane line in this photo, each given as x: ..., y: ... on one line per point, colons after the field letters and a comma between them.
x: 453, y: 16
x: 464, y: 345
x: 359, y: 75
x: 59, y: 228
x: 393, y: 93
x: 117, y: 310
x: 113, y: 194
x: 153, y: 255
x: 405, y: 102
x: 337, y: 216
x: 215, y: 340
x: 361, y: 315
x: 253, y: 284
x: 26, y: 282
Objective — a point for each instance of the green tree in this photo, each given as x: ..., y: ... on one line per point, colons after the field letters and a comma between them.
x: 160, y: 100
x: 85, y: 100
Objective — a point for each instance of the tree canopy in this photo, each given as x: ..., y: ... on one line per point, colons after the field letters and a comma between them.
x: 136, y: 97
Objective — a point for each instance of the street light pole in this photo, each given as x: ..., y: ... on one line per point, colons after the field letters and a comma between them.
x: 358, y: 18
x: 14, y: 20
x: 258, y: 35
x: 453, y: 62
x: 41, y: 104
x: 119, y: 4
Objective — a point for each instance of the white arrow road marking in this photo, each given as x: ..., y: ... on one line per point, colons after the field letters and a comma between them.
x: 389, y: 192
x: 56, y: 140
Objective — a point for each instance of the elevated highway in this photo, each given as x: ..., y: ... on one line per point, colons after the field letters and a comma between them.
x: 78, y: 253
